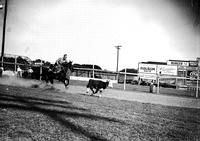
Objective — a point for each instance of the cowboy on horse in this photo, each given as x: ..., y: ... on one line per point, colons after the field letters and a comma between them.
x: 61, y: 71
x: 59, y: 62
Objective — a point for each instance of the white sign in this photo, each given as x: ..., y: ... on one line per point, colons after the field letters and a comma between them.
x: 178, y: 63
x: 167, y: 70
x: 147, y: 76
x: 147, y: 68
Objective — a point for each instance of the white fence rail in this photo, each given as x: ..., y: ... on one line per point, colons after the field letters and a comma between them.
x: 191, y: 84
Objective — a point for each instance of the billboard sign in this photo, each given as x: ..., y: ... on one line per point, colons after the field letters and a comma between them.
x: 147, y: 68
x: 177, y: 63
x: 193, y: 63
x: 182, y: 68
x: 167, y: 70
x: 192, y: 74
x: 147, y: 76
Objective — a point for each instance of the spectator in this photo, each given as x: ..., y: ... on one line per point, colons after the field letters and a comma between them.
x: 19, y: 72
x: 30, y: 71
x: 151, y: 87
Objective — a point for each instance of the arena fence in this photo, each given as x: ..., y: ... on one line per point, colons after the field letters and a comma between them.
x: 166, y: 84
x: 189, y: 86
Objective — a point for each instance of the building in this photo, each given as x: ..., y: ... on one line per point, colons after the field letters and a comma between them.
x: 150, y: 70
x: 186, y: 68
x: 181, y: 72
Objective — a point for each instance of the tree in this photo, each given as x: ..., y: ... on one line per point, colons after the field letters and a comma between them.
x: 38, y: 62
x: 21, y: 60
x: 130, y: 70
x: 88, y: 66
x: 47, y: 63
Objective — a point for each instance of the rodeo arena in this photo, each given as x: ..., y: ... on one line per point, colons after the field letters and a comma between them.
x: 156, y: 101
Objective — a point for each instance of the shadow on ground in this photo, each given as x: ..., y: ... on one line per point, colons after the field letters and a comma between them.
x: 58, y: 110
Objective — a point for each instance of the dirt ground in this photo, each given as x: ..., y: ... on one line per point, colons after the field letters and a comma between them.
x: 143, y: 97
x: 33, y: 111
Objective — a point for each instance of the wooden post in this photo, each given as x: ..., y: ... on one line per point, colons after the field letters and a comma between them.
x: 41, y: 70
x: 197, y: 89
x: 4, y: 29
x: 15, y: 63
x: 125, y: 80
x: 158, y: 85
x: 2, y: 61
x: 93, y: 71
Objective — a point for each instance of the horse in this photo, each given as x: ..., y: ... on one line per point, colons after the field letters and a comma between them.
x: 62, y: 75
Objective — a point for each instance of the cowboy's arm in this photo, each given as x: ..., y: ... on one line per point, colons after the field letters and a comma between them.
x: 58, y: 61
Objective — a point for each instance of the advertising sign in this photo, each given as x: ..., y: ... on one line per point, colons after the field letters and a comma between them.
x: 147, y: 68
x: 182, y: 68
x: 167, y: 70
x: 192, y: 68
x: 192, y: 74
x: 193, y: 63
x: 147, y: 76
x: 177, y: 63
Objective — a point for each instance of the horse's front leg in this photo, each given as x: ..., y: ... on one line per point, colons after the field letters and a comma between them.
x: 66, y: 82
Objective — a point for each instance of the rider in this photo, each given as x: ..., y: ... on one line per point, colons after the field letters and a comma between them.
x: 60, y: 61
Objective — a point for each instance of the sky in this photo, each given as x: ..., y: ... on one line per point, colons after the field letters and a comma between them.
x: 89, y: 30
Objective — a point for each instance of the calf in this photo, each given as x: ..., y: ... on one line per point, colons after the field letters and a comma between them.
x: 96, y: 84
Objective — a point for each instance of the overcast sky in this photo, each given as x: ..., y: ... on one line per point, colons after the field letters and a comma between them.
x: 88, y: 30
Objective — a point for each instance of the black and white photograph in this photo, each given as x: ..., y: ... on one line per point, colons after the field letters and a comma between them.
x: 99, y: 70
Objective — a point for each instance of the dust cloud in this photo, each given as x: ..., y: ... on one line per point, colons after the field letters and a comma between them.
x: 15, y: 81
x: 10, y: 78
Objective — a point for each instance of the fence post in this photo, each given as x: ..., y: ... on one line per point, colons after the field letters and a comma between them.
x: 41, y: 70
x: 197, y: 89
x: 15, y: 63
x: 93, y: 71
x: 125, y: 80
x: 158, y: 85
x: 2, y: 61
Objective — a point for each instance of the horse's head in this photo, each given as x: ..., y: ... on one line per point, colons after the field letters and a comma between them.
x: 67, y: 65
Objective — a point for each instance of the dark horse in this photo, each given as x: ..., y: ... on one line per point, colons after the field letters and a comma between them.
x: 63, y: 75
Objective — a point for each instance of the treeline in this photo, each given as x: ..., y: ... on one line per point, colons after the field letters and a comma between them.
x: 11, y: 62
x: 129, y: 70
x: 88, y: 66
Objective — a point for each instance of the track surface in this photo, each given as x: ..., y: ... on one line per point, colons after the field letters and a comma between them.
x: 132, y: 95
x: 142, y: 97
x: 46, y: 114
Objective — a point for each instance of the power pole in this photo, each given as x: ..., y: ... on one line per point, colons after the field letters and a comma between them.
x: 118, y: 48
x: 4, y: 29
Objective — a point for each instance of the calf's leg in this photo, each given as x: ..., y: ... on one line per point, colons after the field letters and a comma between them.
x: 97, y: 89
x: 91, y: 88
